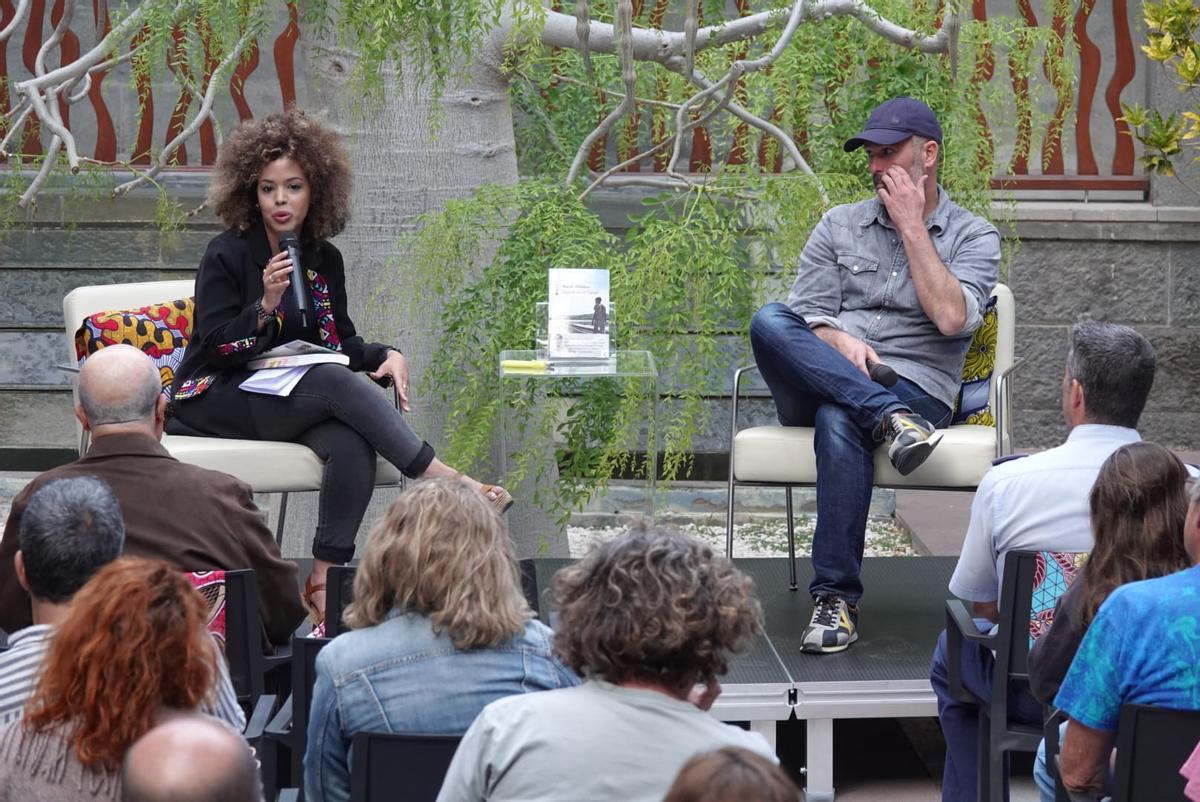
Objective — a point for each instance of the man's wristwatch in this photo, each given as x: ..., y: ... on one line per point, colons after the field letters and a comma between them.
x: 263, y: 315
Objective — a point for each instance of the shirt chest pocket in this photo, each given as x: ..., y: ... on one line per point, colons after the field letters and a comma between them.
x: 860, y: 276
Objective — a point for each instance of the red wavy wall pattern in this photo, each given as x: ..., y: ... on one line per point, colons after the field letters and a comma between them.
x: 1055, y: 168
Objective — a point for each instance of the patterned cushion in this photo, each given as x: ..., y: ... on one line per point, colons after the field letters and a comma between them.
x: 211, y: 585
x: 1053, y: 573
x: 161, y: 331
x: 972, y: 405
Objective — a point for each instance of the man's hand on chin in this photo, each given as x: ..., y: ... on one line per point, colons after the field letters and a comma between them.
x: 849, y: 346
x: 903, y: 198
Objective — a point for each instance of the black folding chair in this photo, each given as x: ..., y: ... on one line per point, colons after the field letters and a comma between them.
x: 383, y: 763
x: 1024, y: 574
x: 1152, y: 744
x: 245, y: 644
x: 339, y: 592
x: 289, y: 727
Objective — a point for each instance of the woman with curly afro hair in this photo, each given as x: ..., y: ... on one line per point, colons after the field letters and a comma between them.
x: 288, y: 173
x: 649, y: 621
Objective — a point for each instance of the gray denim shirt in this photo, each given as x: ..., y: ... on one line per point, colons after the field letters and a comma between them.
x: 854, y: 276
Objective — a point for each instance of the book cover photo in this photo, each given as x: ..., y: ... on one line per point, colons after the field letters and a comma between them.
x: 578, y: 314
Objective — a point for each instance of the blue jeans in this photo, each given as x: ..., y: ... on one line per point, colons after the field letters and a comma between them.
x: 960, y: 720
x: 814, y: 385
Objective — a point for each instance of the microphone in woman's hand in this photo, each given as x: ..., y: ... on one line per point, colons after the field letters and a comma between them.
x: 881, y: 374
x: 289, y: 242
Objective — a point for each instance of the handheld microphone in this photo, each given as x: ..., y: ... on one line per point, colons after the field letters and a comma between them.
x: 289, y: 242
x: 881, y: 374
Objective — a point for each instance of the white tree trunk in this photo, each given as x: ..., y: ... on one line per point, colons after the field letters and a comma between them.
x: 404, y: 168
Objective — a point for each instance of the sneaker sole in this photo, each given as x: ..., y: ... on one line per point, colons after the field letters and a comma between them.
x: 914, y: 456
x: 806, y: 649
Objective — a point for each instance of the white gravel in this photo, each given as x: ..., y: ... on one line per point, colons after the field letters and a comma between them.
x: 764, y: 537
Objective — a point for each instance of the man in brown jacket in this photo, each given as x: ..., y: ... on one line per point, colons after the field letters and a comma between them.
x: 194, y: 518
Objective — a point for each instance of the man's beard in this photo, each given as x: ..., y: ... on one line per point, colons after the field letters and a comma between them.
x: 915, y: 171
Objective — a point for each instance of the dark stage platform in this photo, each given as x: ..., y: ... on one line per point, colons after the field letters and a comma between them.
x: 884, y: 675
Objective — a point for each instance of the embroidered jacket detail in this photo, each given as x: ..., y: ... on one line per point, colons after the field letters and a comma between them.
x: 244, y: 344
x: 323, y: 308
x: 194, y: 387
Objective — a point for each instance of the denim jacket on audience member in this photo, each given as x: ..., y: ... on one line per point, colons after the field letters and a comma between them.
x: 399, y: 676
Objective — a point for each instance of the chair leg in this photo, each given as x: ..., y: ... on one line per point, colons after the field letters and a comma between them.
x: 791, y: 532
x: 283, y: 500
x: 729, y: 521
x: 983, y: 759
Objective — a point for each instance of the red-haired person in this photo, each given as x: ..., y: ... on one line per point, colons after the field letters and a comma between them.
x: 136, y: 651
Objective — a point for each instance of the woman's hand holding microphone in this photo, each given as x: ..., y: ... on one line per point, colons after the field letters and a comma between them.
x: 276, y: 280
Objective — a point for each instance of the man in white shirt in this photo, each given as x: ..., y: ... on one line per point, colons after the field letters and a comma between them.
x: 1038, y: 503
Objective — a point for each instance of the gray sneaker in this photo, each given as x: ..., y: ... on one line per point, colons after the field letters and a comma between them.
x: 912, y: 440
x: 833, y: 627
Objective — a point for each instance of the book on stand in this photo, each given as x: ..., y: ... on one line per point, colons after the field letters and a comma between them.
x: 578, y: 314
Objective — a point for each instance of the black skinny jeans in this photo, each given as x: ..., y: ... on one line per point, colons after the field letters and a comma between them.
x: 346, y: 421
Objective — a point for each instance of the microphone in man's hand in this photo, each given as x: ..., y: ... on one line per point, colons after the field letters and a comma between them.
x: 288, y: 241
x: 881, y: 374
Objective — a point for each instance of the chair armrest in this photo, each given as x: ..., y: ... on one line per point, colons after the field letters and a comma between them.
x: 737, y: 386
x: 960, y: 626
x: 1053, y: 720
x: 256, y: 724
x: 279, y: 728
x: 1002, y: 397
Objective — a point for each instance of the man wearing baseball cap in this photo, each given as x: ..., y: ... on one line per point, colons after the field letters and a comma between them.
x: 899, y: 280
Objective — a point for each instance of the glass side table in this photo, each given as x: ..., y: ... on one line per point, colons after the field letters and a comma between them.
x: 526, y: 387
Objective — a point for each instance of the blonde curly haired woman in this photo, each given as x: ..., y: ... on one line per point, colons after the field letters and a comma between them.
x: 441, y: 628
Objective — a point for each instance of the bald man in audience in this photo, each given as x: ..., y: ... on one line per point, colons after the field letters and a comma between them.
x: 190, y: 758
x: 197, y: 519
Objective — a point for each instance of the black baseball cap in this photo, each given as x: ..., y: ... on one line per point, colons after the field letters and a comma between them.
x: 894, y: 121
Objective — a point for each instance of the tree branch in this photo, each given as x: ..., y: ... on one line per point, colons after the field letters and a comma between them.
x: 628, y: 102
x: 202, y: 114
x: 18, y: 18
x: 665, y: 46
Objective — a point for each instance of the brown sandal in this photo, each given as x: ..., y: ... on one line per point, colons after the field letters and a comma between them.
x: 498, y: 497
x: 315, y: 614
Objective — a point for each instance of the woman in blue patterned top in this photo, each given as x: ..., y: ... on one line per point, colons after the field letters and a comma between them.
x: 1138, y: 506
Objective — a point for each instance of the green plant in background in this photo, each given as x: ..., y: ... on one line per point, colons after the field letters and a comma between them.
x: 1171, y: 41
x: 694, y: 264
x: 687, y: 273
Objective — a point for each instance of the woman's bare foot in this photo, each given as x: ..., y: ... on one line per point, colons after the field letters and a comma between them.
x: 496, y: 495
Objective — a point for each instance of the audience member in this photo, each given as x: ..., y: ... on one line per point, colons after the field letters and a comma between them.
x: 1140, y: 648
x: 134, y: 650
x: 441, y: 629
x: 732, y: 775
x: 1190, y: 771
x: 190, y: 758
x: 71, y: 529
x: 649, y: 620
x: 1138, y: 503
x: 193, y: 518
x: 1038, y: 503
